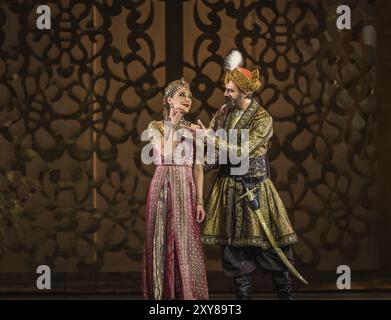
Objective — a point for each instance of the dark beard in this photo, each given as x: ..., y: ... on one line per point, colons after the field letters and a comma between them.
x: 232, y: 103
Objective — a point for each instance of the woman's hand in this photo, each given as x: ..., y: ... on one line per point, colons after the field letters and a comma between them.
x: 200, y: 213
x: 175, y: 116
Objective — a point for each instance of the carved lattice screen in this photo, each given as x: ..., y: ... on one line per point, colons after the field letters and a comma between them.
x: 74, y: 101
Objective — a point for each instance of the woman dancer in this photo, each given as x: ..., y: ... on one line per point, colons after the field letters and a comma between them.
x: 173, y: 262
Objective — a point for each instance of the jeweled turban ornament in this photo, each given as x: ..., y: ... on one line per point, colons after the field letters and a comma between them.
x: 246, y: 80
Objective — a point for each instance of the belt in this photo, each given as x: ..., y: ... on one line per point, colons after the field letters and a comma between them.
x: 250, y: 180
x: 258, y: 170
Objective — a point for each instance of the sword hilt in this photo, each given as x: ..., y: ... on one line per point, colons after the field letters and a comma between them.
x: 249, y: 195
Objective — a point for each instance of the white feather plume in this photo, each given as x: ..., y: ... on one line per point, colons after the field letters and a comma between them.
x: 233, y: 60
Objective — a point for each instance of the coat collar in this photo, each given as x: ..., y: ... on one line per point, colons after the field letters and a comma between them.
x: 247, y: 115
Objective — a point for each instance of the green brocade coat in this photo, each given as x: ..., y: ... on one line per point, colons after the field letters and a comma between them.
x: 229, y: 221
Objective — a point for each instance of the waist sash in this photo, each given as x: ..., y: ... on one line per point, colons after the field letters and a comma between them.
x: 257, y: 172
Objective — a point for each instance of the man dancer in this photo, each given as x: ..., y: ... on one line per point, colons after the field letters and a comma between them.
x: 229, y: 221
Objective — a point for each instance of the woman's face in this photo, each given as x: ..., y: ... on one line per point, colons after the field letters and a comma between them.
x: 181, y: 100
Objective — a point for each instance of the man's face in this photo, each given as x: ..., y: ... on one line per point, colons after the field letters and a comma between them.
x: 232, y: 95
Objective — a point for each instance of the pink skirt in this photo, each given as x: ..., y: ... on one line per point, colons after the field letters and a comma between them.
x: 173, y: 260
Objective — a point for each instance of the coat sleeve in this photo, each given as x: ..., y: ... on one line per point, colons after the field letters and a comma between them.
x: 260, y: 132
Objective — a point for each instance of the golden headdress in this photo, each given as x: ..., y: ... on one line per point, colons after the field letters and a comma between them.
x: 170, y: 90
x: 173, y: 87
x: 246, y: 80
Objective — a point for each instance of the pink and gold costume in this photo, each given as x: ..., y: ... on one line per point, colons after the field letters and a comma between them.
x: 174, y: 266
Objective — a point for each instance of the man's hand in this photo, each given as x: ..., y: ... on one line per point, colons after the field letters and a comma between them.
x: 201, y: 124
x: 194, y: 127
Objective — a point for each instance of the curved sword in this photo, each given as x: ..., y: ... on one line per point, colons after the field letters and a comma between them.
x: 254, y: 205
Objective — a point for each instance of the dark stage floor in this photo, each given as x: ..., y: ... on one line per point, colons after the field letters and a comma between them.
x: 352, y: 295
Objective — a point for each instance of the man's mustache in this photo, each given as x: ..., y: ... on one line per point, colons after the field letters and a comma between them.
x: 229, y: 100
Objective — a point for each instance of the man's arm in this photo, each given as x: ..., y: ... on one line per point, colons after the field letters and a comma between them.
x: 260, y: 131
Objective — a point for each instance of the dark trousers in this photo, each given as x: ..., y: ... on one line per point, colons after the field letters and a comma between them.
x: 240, y: 262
